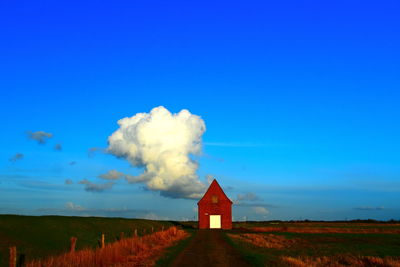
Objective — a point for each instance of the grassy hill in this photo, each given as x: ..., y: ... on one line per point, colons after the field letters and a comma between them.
x: 41, y: 236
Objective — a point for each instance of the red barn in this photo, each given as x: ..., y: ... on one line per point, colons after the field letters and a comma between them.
x: 215, y: 209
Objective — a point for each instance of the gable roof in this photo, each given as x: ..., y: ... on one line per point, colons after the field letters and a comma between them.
x: 214, y: 186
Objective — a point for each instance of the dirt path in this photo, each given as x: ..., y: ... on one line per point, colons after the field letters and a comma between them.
x: 209, y: 248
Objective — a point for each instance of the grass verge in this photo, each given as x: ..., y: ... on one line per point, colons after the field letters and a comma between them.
x: 172, y: 252
x: 43, y: 236
x: 134, y: 251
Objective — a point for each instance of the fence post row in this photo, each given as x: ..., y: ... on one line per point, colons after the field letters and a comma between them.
x: 73, y: 240
x: 73, y: 244
x: 13, y: 257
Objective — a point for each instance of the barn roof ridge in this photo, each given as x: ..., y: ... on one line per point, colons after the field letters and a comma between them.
x: 215, y: 183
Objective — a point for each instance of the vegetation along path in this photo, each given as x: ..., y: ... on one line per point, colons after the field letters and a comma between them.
x: 209, y: 248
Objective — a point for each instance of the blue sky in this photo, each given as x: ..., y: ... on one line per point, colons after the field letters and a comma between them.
x: 299, y: 98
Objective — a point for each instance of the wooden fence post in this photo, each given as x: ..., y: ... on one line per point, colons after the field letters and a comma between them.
x: 135, y: 233
x: 162, y: 228
x: 152, y: 229
x: 13, y: 257
x: 73, y: 244
x: 102, y: 240
x: 21, y: 260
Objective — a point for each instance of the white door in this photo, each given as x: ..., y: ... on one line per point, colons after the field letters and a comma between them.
x: 215, y: 221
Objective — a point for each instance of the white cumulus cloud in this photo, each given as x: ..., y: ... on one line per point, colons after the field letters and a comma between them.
x: 161, y: 143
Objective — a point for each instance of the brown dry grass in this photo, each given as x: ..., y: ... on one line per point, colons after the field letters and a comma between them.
x: 344, y: 224
x: 325, y: 230
x: 340, y: 261
x: 265, y: 241
x: 135, y: 251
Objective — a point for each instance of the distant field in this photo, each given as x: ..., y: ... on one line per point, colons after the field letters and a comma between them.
x: 42, y: 236
x: 318, y: 243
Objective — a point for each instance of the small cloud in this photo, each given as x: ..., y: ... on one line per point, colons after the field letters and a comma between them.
x: 93, y: 150
x: 369, y: 208
x: 68, y: 181
x: 40, y: 136
x: 58, y: 147
x: 111, y: 175
x: 17, y: 157
x: 72, y: 163
x: 248, y: 197
x: 92, y: 187
x: 73, y: 207
x: 260, y: 210
x: 137, y: 179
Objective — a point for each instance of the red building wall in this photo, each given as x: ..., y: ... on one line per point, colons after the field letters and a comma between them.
x: 207, y: 207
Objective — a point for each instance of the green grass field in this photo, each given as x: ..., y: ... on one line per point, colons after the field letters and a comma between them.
x: 42, y: 236
x: 314, y: 245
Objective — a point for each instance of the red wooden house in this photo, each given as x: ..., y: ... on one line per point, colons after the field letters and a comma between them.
x: 215, y: 209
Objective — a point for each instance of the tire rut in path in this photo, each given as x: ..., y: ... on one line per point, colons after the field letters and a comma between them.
x: 209, y: 248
